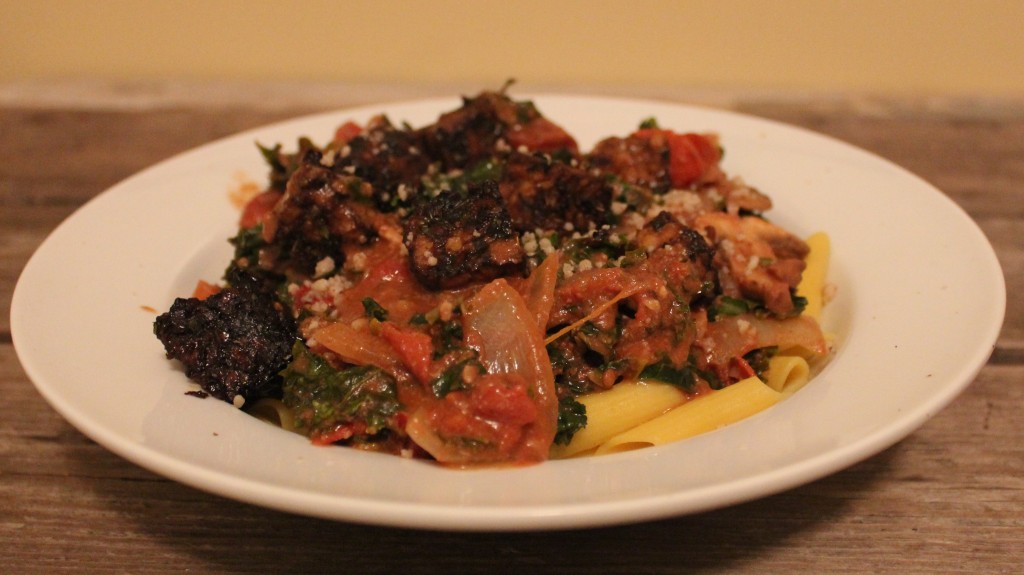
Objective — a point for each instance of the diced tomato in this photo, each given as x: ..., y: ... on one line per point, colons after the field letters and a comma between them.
x: 204, y: 290
x: 494, y: 421
x: 388, y: 269
x: 346, y: 132
x: 503, y: 399
x: 257, y: 209
x: 740, y: 369
x: 414, y: 348
x: 691, y: 157
x: 541, y: 135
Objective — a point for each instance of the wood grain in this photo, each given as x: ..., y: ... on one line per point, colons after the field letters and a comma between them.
x: 948, y: 499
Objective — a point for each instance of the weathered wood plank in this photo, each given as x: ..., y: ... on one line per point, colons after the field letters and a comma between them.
x: 66, y: 156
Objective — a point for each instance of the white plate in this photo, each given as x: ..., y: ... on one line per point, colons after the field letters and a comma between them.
x: 920, y: 303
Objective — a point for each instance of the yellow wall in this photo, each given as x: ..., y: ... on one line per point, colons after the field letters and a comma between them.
x: 965, y: 47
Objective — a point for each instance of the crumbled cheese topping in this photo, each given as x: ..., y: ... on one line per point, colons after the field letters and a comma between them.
x: 324, y: 267
x: 327, y: 160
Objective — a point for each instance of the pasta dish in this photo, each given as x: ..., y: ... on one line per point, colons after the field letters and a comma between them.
x: 482, y: 291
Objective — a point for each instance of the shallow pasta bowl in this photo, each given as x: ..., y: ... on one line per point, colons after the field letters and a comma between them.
x: 919, y: 305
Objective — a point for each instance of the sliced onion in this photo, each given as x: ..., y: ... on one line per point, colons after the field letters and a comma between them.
x: 734, y: 336
x: 498, y: 320
x: 539, y: 289
x: 359, y: 347
x: 502, y: 327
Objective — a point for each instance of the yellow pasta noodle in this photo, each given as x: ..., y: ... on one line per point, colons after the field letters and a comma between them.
x: 787, y: 373
x: 275, y: 412
x: 705, y: 413
x: 619, y: 409
x: 812, y: 284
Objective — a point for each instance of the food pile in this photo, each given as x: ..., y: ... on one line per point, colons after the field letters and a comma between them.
x: 449, y: 291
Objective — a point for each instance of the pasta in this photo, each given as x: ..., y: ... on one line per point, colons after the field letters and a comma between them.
x: 636, y: 415
x: 812, y: 282
x: 481, y: 291
x: 621, y: 408
x: 787, y: 373
x: 706, y: 413
x: 650, y: 423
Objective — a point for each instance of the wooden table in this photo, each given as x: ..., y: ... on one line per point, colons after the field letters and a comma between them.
x: 948, y: 499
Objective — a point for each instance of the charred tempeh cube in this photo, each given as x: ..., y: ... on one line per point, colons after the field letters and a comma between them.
x: 321, y: 211
x: 489, y: 125
x: 386, y: 157
x: 455, y: 239
x: 543, y: 193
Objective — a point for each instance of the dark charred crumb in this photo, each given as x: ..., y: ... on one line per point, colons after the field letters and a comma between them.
x: 456, y: 239
x: 233, y: 343
x: 546, y: 194
x: 198, y: 393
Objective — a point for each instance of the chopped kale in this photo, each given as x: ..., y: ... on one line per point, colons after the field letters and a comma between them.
x: 451, y: 378
x: 486, y: 170
x: 326, y: 399
x: 758, y: 359
x: 374, y: 310
x: 448, y: 337
x: 799, y: 304
x: 725, y: 305
x: 283, y: 165
x: 649, y: 123
x: 685, y: 377
x: 731, y: 306
x: 459, y: 181
x: 572, y: 417
x: 248, y: 243
x: 665, y: 372
x: 602, y: 241
x: 273, y: 157
x: 713, y: 381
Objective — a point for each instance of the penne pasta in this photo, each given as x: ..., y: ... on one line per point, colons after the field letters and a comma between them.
x: 812, y: 283
x: 787, y: 373
x: 619, y: 409
x: 705, y: 413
